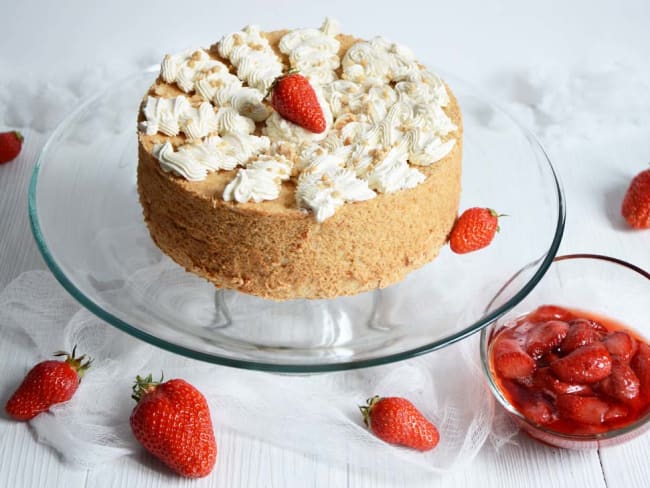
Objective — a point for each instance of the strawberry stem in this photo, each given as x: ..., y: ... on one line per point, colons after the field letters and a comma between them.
x: 143, y: 386
x: 292, y: 71
x: 76, y: 363
x: 367, y: 408
x: 19, y: 136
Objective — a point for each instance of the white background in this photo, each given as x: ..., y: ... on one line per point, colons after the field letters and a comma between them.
x: 56, y: 52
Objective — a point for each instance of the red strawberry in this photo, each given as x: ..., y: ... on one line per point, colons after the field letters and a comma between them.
x: 598, y: 327
x: 622, y: 383
x: 547, y: 359
x: 510, y: 360
x: 550, y: 312
x: 546, y: 336
x: 546, y: 381
x: 46, y: 384
x: 587, y: 364
x: 474, y: 230
x: 636, y: 203
x: 616, y: 411
x: 621, y: 344
x: 641, y: 365
x: 172, y: 422
x: 10, y: 144
x: 581, y: 333
x: 584, y: 409
x: 538, y: 410
x: 294, y: 99
x: 397, y: 421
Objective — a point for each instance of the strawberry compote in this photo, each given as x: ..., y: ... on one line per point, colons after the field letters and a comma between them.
x: 571, y: 371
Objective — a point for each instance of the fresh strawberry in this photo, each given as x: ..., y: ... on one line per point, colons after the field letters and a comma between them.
x: 397, y: 421
x: 474, y: 230
x: 587, y: 364
x: 46, y: 384
x: 622, y: 383
x: 636, y: 203
x: 621, y: 345
x: 295, y: 99
x: 584, y: 409
x: 582, y: 332
x: 510, y: 360
x: 550, y: 312
x: 172, y: 421
x: 10, y: 145
x: 546, y: 336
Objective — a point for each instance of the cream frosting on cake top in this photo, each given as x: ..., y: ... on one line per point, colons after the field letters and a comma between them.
x: 383, y: 110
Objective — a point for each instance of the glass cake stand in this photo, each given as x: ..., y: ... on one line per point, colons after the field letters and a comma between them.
x: 87, y: 222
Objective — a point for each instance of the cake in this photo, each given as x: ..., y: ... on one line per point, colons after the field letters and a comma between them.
x: 238, y: 195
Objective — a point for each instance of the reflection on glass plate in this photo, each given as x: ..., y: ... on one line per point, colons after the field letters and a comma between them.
x: 87, y: 221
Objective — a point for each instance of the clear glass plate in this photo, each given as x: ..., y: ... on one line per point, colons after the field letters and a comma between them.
x: 88, y: 224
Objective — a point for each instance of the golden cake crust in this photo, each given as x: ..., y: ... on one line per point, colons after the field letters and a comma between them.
x: 274, y: 249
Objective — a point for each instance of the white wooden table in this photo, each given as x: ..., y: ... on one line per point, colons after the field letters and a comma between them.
x: 480, y: 41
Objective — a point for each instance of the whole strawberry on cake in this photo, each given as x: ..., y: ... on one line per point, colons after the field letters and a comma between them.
x: 299, y: 163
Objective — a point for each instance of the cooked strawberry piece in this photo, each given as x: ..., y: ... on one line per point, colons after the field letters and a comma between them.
x: 587, y: 364
x: 581, y: 333
x: 546, y: 336
x: 538, y: 410
x: 621, y: 344
x: 547, y: 359
x: 510, y: 360
x: 550, y: 312
x: 616, y: 411
x: 622, y: 383
x: 641, y: 366
x: 583, y: 409
x: 591, y: 323
x: 545, y: 380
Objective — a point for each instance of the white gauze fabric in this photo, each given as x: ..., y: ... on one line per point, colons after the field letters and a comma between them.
x: 313, y: 414
x: 593, y: 101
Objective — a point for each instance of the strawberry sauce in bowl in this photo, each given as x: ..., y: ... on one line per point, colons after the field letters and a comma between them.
x: 571, y: 363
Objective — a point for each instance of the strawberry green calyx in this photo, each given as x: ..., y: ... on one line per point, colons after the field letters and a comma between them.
x: 292, y: 71
x: 497, y: 215
x: 19, y: 136
x: 143, y: 386
x: 79, y: 364
x: 367, y: 409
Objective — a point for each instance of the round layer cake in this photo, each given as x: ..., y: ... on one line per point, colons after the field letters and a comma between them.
x: 250, y: 201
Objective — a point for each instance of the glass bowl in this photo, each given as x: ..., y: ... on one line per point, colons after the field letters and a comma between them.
x: 88, y: 224
x: 604, y: 286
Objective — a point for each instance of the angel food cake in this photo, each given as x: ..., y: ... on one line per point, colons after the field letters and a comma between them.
x: 236, y: 193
